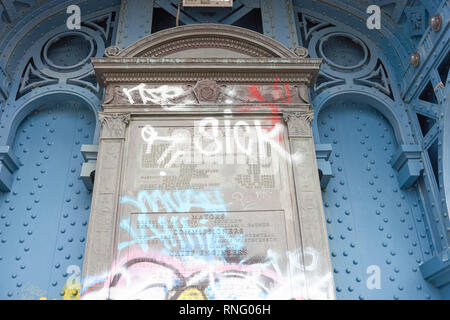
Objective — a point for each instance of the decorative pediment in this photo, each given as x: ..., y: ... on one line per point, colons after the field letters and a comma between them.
x: 201, y: 64
x: 207, y: 41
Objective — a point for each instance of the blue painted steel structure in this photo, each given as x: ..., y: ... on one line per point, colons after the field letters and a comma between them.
x: 382, y: 132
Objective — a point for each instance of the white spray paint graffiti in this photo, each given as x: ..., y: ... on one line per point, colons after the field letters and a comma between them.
x: 154, y: 276
x: 162, y: 95
x: 241, y: 144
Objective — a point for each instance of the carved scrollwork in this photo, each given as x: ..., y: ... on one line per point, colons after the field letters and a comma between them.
x: 299, y: 123
x: 114, y: 124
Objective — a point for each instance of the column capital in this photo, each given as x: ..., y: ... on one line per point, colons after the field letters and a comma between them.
x: 114, y: 124
x: 299, y: 123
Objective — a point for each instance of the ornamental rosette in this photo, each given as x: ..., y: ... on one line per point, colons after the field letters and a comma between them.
x: 206, y: 91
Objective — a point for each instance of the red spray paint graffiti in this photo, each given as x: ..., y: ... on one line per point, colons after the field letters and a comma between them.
x: 277, y: 94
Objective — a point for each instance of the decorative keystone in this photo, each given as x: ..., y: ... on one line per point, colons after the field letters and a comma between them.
x: 408, y: 164
x: 87, y: 175
x: 8, y: 165
x: 323, y: 152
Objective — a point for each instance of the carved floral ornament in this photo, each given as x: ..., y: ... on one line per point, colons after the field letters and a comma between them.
x: 207, y: 91
x: 114, y: 124
x: 299, y: 123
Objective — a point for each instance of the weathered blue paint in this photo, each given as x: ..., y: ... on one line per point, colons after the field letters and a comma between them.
x: 44, y: 218
x: 366, y: 71
x: 371, y: 220
x: 437, y: 271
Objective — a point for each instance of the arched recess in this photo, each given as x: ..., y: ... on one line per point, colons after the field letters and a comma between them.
x: 377, y: 231
x: 43, y: 220
x: 392, y: 111
x: 42, y: 96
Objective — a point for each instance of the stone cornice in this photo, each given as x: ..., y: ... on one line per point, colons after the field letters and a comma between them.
x: 231, y: 70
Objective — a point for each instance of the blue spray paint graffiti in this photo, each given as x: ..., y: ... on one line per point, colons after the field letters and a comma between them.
x: 177, y: 234
x: 177, y: 201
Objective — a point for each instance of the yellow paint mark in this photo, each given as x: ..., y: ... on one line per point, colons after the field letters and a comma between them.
x: 72, y: 291
x: 191, y: 294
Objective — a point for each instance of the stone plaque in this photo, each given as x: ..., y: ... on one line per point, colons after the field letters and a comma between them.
x: 183, y: 252
x: 195, y: 197
x: 239, y: 160
x: 231, y: 236
x: 206, y: 182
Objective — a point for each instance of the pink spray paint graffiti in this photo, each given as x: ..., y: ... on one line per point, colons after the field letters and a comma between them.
x: 152, y: 275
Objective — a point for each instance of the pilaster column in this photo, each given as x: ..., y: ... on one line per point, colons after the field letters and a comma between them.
x: 309, y: 203
x: 99, y: 252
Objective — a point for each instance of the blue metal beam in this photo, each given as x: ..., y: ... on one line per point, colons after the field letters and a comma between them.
x: 10, y: 10
x: 400, y: 6
x: 4, y: 84
x: 236, y: 15
x: 279, y: 21
x: 167, y: 5
x: 135, y: 21
x: 431, y: 48
x: 428, y: 109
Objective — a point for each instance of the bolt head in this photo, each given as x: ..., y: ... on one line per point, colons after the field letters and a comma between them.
x: 414, y: 59
x: 436, y: 22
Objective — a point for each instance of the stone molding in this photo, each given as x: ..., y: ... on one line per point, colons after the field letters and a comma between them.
x: 231, y: 95
x: 183, y: 70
